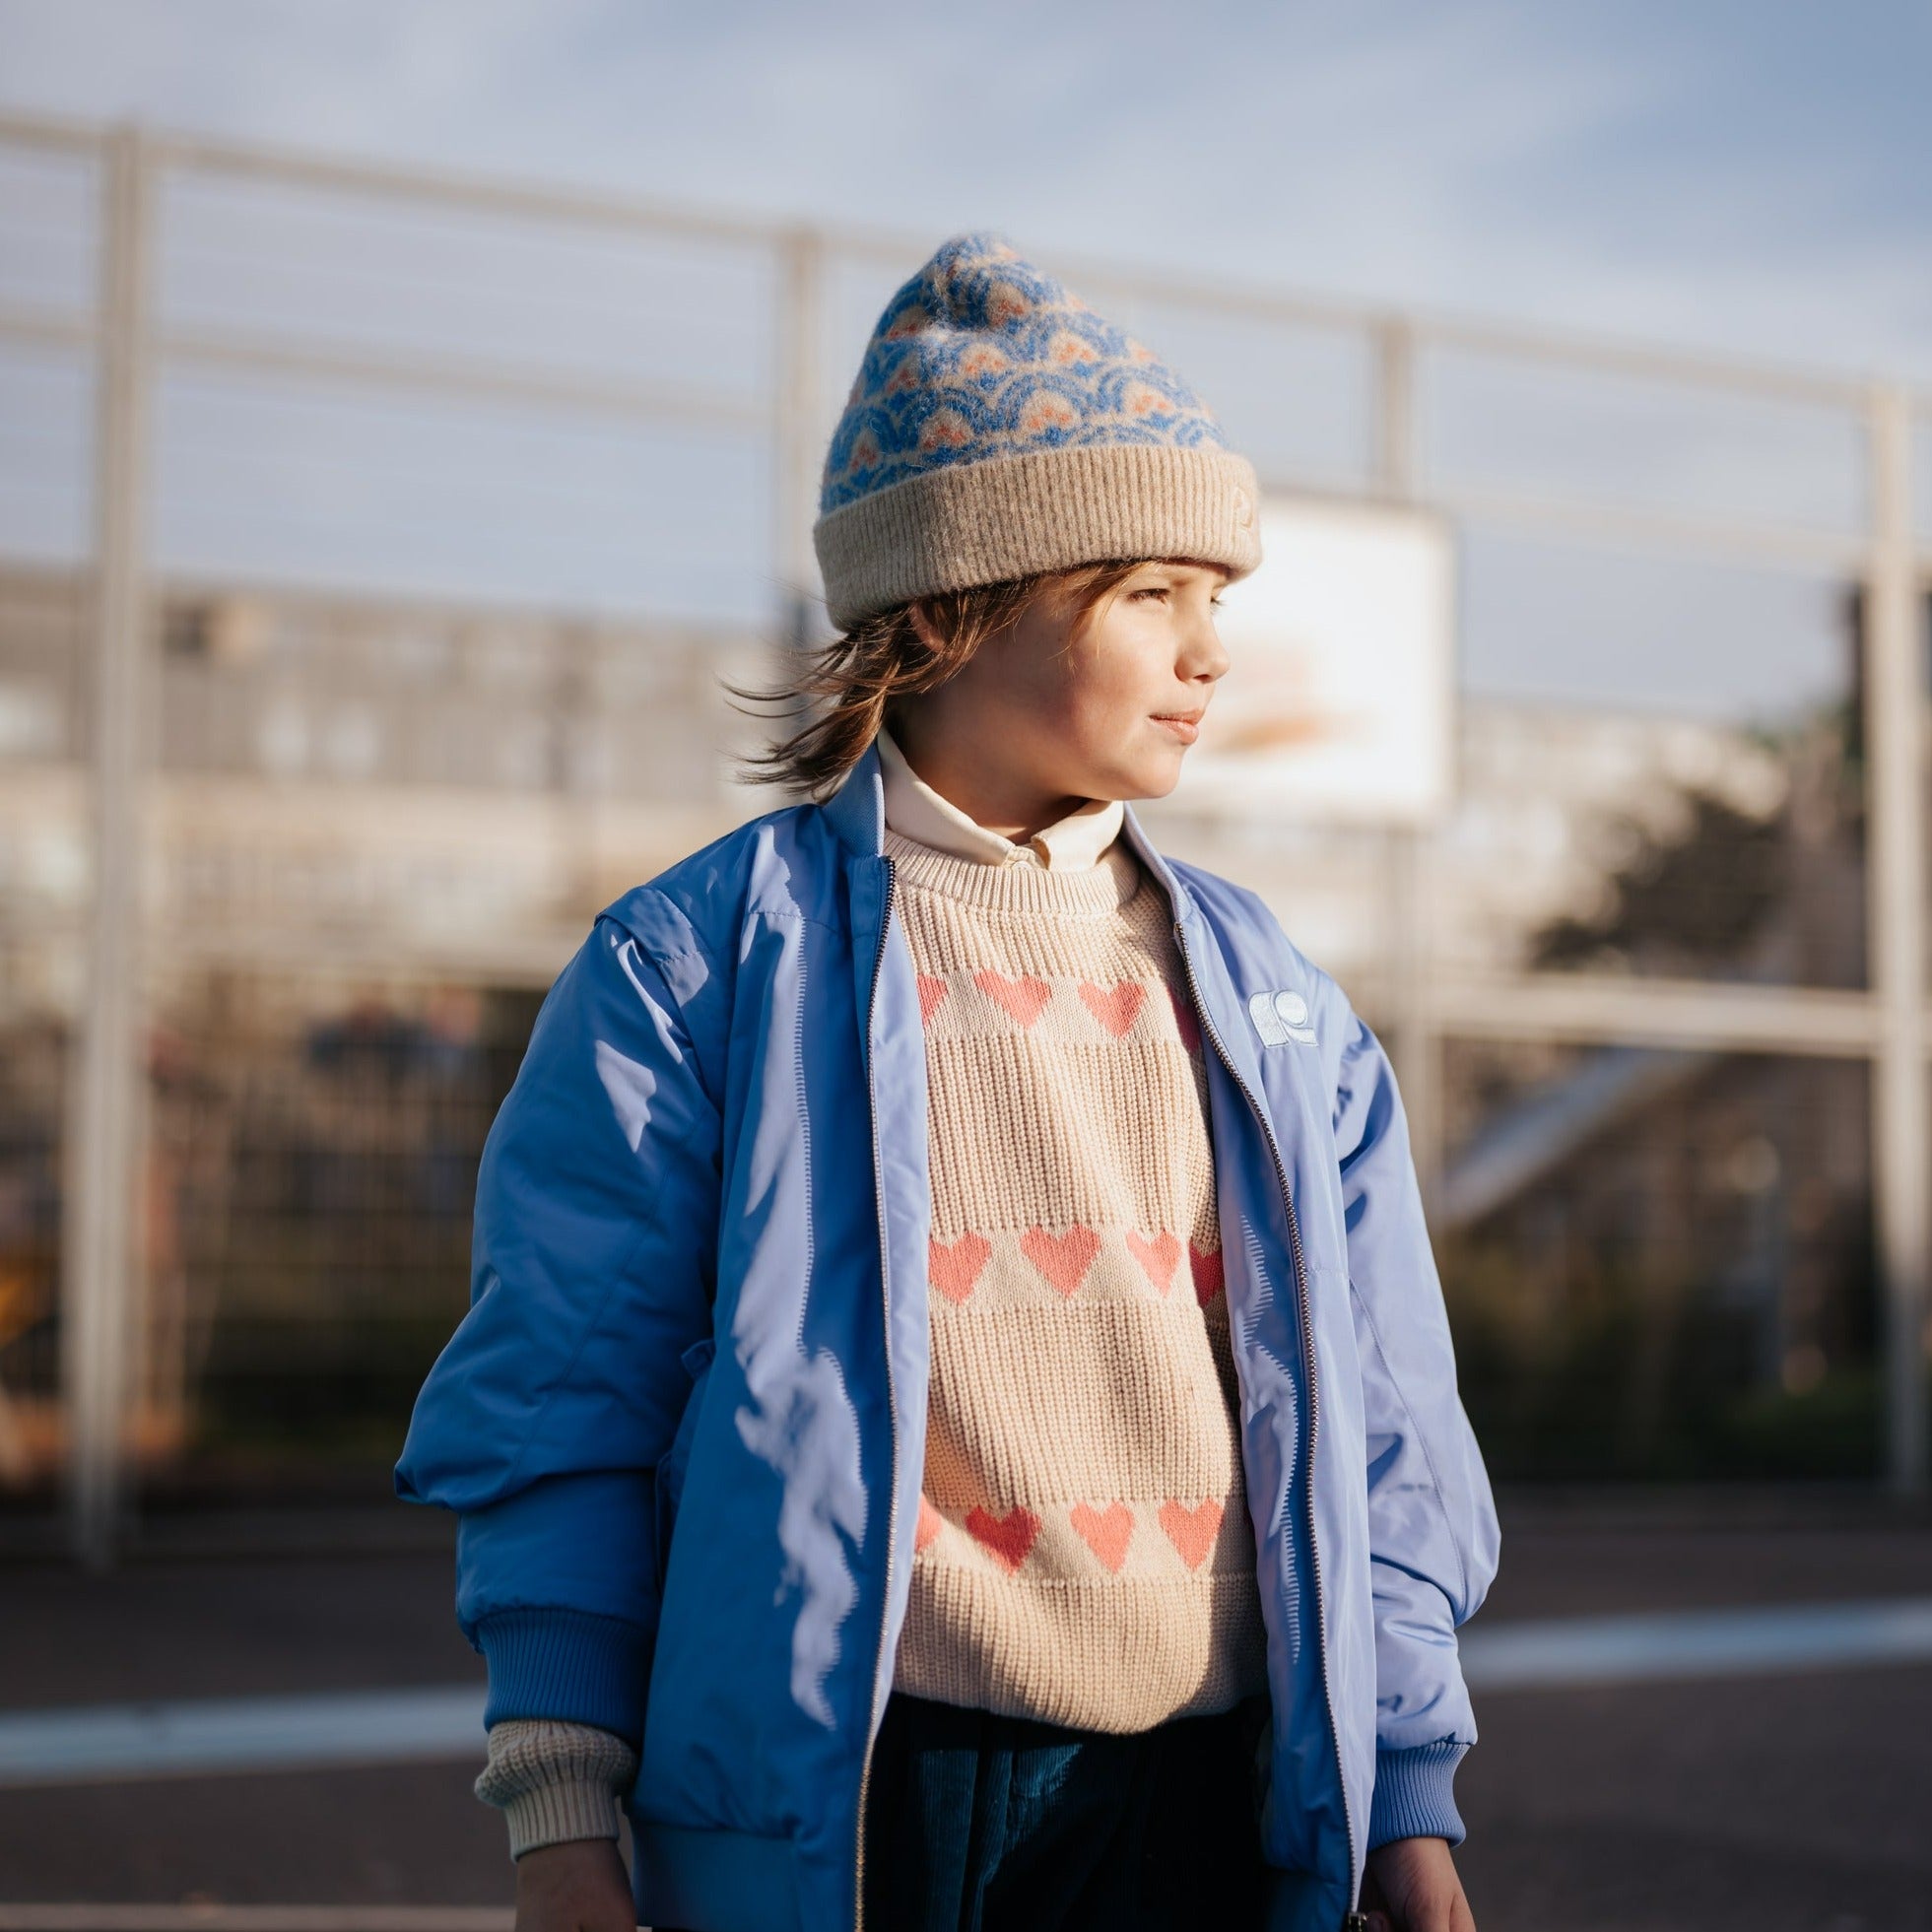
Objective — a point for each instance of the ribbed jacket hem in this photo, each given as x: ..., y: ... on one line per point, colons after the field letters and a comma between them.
x: 567, y: 1664
x: 1415, y: 1796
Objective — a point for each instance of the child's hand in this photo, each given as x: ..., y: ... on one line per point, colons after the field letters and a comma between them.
x: 1412, y: 1887
x: 577, y: 1887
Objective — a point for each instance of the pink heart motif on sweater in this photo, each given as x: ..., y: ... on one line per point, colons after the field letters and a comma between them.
x: 932, y: 989
x: 925, y: 1532
x: 954, y: 1271
x: 1114, y: 1007
x: 1207, y: 1273
x: 1024, y: 998
x: 1063, y: 1259
x: 1191, y: 1531
x: 1107, y: 1532
x: 1157, y: 1255
x: 1008, y: 1537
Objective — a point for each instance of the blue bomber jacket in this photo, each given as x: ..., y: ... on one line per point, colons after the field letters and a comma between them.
x: 697, y: 1330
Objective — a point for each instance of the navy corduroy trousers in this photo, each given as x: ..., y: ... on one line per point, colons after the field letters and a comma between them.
x: 977, y: 1823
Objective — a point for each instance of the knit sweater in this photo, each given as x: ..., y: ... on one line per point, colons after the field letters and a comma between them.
x: 554, y: 1782
x: 1083, y: 1552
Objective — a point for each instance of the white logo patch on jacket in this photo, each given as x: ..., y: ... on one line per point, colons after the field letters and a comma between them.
x: 1279, y: 1016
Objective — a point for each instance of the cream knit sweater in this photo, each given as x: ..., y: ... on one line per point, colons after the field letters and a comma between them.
x: 1083, y: 1552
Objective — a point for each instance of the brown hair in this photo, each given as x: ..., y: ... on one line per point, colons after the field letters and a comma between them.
x: 862, y: 670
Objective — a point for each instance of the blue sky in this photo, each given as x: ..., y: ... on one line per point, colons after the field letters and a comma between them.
x: 1748, y: 178
x: 1757, y: 176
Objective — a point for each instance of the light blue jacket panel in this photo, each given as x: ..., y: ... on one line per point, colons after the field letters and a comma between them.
x: 699, y: 1318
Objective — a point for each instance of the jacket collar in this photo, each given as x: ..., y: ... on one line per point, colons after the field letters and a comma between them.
x: 1178, y: 895
x: 857, y: 813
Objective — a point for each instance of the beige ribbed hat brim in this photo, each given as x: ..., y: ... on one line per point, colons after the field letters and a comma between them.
x: 1047, y: 510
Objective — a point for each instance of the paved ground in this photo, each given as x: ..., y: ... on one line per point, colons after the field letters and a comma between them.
x: 1799, y: 1801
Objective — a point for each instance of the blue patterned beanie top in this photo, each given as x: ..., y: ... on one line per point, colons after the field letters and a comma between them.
x: 998, y: 427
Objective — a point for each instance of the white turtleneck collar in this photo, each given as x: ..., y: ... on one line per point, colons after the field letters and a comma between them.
x: 915, y: 810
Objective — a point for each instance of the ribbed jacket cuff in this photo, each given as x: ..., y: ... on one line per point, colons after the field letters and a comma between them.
x: 569, y: 1665
x: 1415, y: 1796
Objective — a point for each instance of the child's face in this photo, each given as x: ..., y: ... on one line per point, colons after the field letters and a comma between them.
x: 1042, y: 710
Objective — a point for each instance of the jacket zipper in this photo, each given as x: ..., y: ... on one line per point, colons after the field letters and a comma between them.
x: 1352, y: 1920
x: 891, y: 1408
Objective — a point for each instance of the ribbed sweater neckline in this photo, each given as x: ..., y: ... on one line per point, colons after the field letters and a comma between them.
x: 1089, y: 891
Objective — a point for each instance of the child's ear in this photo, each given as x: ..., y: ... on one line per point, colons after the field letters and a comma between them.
x: 919, y: 613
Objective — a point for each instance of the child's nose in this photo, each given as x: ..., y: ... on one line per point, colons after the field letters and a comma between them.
x: 1207, y: 656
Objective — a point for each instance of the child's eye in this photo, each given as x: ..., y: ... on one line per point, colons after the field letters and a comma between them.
x: 1151, y: 590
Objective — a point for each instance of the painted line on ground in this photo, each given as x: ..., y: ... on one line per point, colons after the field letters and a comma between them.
x: 224, y: 1736
x: 254, y: 1919
x: 211, y: 1736
x: 1569, y: 1653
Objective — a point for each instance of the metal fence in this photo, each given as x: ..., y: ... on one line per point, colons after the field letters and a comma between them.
x: 357, y: 518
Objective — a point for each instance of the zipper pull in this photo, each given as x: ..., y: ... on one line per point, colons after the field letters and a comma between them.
x: 1355, y: 1922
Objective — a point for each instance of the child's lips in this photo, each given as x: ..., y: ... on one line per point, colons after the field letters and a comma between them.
x: 1185, y: 729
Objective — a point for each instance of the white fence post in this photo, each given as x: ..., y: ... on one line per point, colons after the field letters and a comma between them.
x: 1416, y: 1049
x: 799, y: 454
x: 107, y: 1105
x: 1896, y: 697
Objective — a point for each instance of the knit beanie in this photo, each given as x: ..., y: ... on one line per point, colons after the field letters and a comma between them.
x: 998, y: 427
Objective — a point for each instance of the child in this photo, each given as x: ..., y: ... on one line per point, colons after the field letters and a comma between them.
x: 957, y: 1425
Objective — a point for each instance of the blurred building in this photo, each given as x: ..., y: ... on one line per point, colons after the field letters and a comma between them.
x: 368, y: 585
